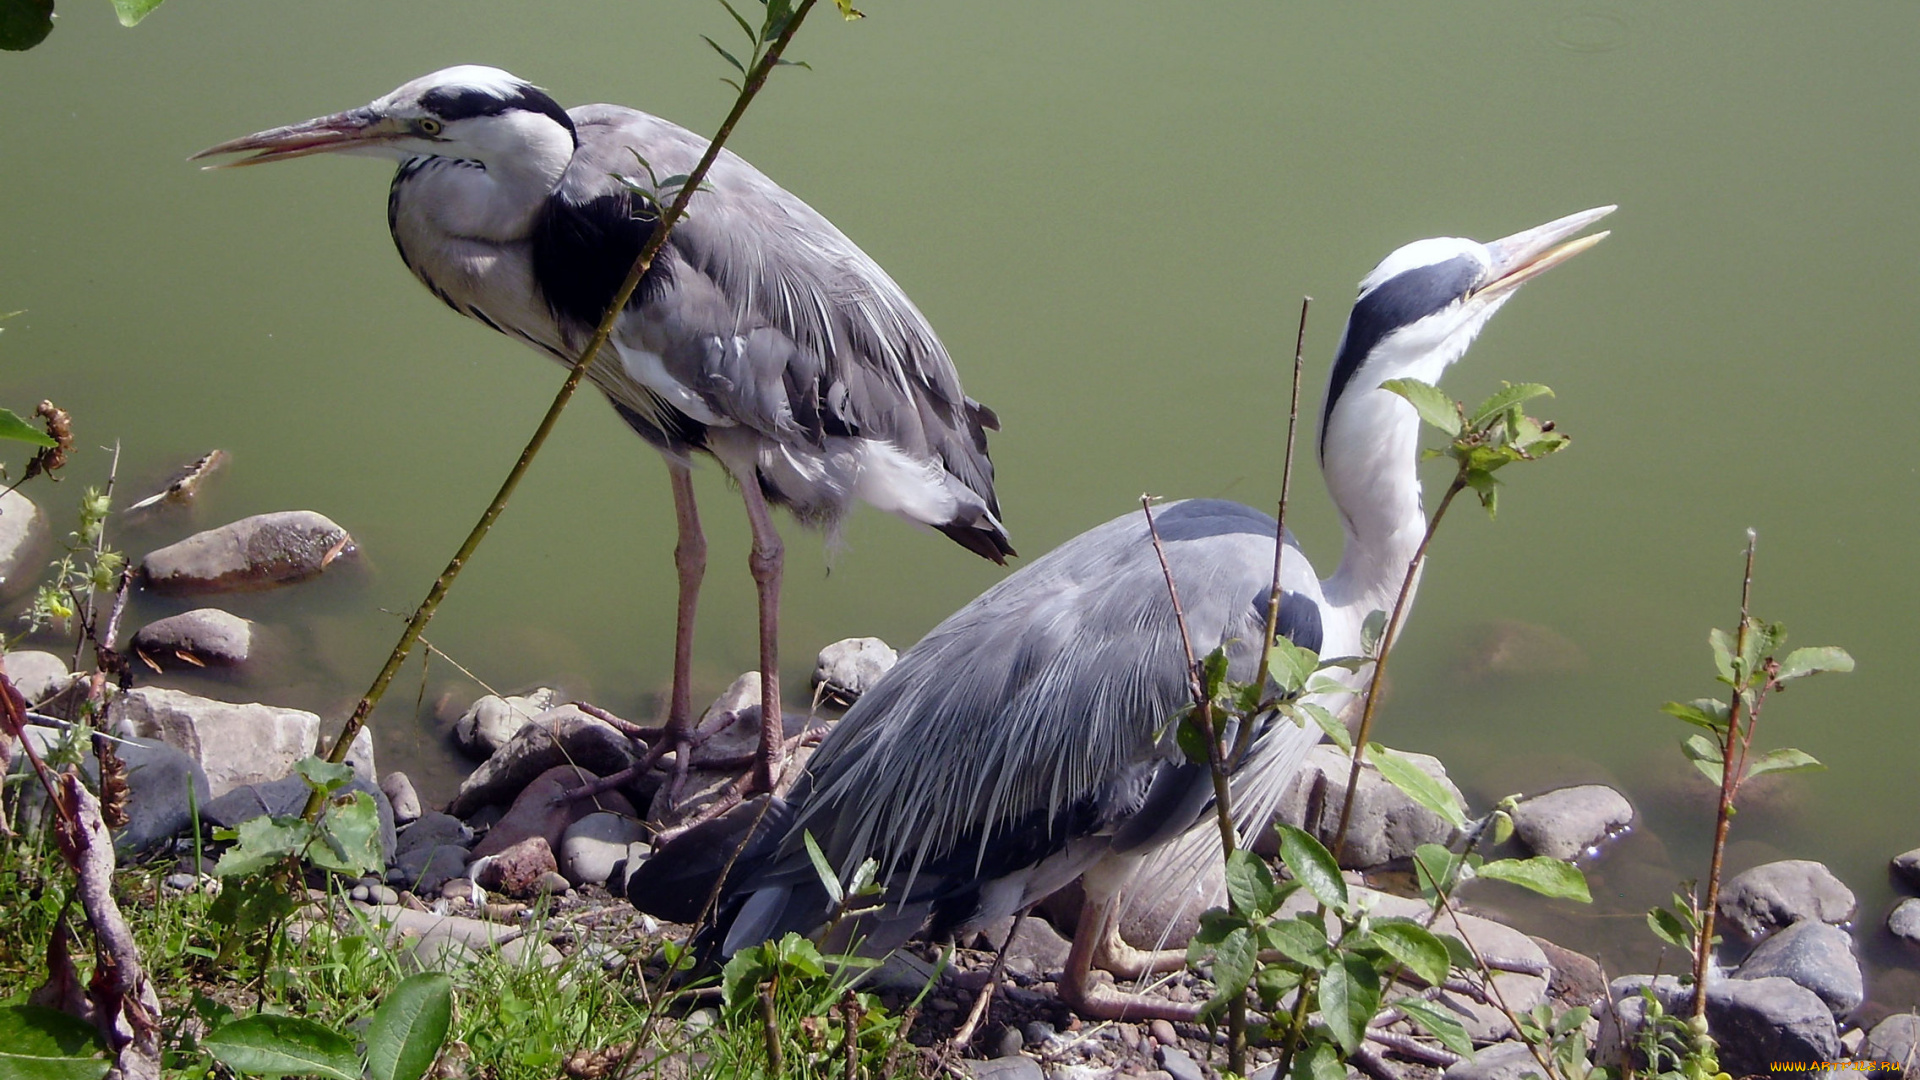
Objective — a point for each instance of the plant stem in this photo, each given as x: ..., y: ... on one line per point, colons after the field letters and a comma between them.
x: 417, y: 624
x: 1280, y: 520
x: 1387, y: 636
x: 1729, y: 782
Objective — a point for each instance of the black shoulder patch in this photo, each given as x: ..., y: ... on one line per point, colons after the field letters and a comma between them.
x: 1299, y: 620
x: 583, y: 250
x: 1399, y: 301
x: 466, y: 102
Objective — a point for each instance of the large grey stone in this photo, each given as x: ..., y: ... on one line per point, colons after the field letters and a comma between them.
x: 286, y: 797
x: 846, y: 669
x: 1756, y: 1021
x: 1894, y: 1041
x: 24, y: 539
x: 1386, y: 824
x: 1815, y: 955
x: 1906, y: 866
x: 259, y: 552
x: 163, y: 787
x: 1563, y: 824
x: 434, y: 828
x: 543, y: 809
x: 1778, y: 894
x: 592, y: 846
x: 425, y: 869
x: 400, y: 792
x: 1904, y: 921
x: 1013, y: 1067
x: 37, y: 675
x: 203, y: 637
x: 559, y: 736
x: 492, y: 721
x: 236, y: 744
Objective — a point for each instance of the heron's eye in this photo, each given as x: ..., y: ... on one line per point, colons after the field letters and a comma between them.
x: 428, y: 126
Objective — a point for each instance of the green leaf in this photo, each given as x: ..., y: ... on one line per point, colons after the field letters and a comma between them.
x: 24, y: 23
x: 1192, y: 739
x: 349, y: 840
x: 263, y: 841
x: 1349, y: 996
x: 822, y: 869
x: 1457, y: 952
x: 724, y: 54
x: 1700, y: 712
x: 1213, y: 672
x: 1436, y: 869
x: 324, y: 776
x: 38, y: 1043
x: 1290, y: 665
x: 1249, y: 884
x: 1705, y: 755
x: 1434, y: 407
x: 269, y: 1045
x: 1416, y: 947
x: 1502, y: 400
x: 1402, y: 773
x: 132, y: 11
x: 1812, y: 661
x: 1330, y: 725
x: 1233, y: 964
x: 11, y: 426
x: 1312, y: 865
x: 1274, y: 982
x: 409, y: 1027
x: 1722, y: 645
x: 1785, y: 759
x: 1302, y: 939
x: 1322, y: 1062
x: 1548, y: 877
x: 1371, y: 628
x: 1670, y: 928
x: 848, y: 11
x: 1449, y: 1031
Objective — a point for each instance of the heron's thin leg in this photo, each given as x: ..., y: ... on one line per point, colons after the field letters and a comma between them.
x: 1097, y: 915
x: 690, y: 559
x: 765, y: 561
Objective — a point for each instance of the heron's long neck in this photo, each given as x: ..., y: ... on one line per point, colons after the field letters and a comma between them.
x: 1372, y: 439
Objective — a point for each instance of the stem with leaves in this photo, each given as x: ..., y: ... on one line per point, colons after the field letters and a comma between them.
x: 783, y: 21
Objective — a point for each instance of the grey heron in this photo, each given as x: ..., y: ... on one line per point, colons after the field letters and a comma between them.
x: 1025, y: 740
x: 761, y: 336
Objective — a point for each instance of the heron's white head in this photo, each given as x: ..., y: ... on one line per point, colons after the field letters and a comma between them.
x: 1423, y: 305
x: 468, y: 113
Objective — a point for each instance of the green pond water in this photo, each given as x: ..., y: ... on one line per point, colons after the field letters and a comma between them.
x: 1110, y: 211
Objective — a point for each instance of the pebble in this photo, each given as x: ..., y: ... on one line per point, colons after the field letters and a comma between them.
x: 258, y: 552
x: 1017, y: 1067
x: 590, y: 847
x: 1179, y: 1064
x: 1563, y: 824
x: 1778, y: 894
x: 1009, y: 1043
x: 1893, y: 1041
x: 1036, y: 1033
x: 1163, y: 1033
x: 400, y: 793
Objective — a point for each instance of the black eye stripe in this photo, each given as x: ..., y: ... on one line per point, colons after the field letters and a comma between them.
x: 1399, y: 301
x: 452, y: 103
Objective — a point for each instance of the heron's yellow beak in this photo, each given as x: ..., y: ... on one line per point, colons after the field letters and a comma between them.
x: 1525, y: 255
x: 355, y: 129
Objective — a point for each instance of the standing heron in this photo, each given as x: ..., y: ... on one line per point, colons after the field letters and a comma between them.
x: 761, y: 335
x: 1025, y: 741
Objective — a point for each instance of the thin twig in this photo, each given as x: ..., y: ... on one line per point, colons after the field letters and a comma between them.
x: 756, y: 78
x: 1279, y: 525
x: 1729, y: 781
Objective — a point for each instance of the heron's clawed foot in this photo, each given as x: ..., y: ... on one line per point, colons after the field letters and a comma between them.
x: 1094, y: 997
x: 1112, y: 953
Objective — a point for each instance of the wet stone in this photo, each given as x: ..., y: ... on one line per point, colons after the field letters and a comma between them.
x: 1814, y: 955
x: 492, y: 721
x: 1893, y: 1041
x: 37, y: 675
x: 235, y: 743
x: 562, y: 736
x: 203, y: 637
x: 1767, y: 898
x: 24, y: 539
x: 1906, y: 867
x: 259, y: 552
x: 1563, y: 824
x: 847, y: 669
x: 1904, y: 921
x: 400, y: 793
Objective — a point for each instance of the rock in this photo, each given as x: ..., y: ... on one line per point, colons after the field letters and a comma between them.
x: 236, y: 744
x: 203, y: 637
x: 24, y: 536
x: 515, y: 870
x: 1894, y: 1041
x: 433, y: 829
x: 552, y: 883
x: 1036, y: 949
x: 591, y: 847
x: 360, y: 756
x: 491, y: 722
x: 158, y: 778
x: 1501, y: 1061
x: 1017, y: 1067
x: 1814, y: 955
x: 1386, y: 824
x: 542, y: 810
x: 426, y: 870
x: 562, y: 736
x: 733, y: 724
x: 1766, y: 898
x: 1163, y: 1032
x: 259, y: 552
x: 528, y: 952
x: 1509, y: 648
x: 1905, y: 866
x: 1756, y: 1021
x: 1563, y: 824
x: 400, y: 793
x: 37, y: 675
x: 846, y: 669
x: 1179, y: 1064
x: 1904, y: 921
x: 1577, y: 978
x: 286, y: 797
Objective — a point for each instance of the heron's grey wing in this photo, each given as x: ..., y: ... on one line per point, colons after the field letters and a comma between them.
x: 777, y: 322
x: 1051, y: 688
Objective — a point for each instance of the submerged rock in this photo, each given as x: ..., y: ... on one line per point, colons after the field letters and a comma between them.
x: 1777, y: 895
x: 1756, y: 1021
x: 1563, y: 824
x: 236, y: 744
x: 203, y: 637
x: 1814, y: 955
x: 259, y: 552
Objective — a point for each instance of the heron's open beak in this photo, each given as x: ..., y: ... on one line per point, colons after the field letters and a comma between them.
x: 361, y: 128
x: 1520, y: 257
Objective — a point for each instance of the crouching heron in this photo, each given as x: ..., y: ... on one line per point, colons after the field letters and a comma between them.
x: 761, y: 336
x: 1024, y: 743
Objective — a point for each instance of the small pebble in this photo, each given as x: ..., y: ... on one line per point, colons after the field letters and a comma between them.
x: 458, y: 889
x: 944, y: 1005
x: 178, y: 882
x: 384, y: 894
x: 1036, y: 1032
x: 1010, y: 1042
x: 359, y: 893
x: 1163, y: 1033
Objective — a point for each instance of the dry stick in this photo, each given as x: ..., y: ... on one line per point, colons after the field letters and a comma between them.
x: 1279, y: 524
x: 1703, y: 948
x: 1387, y: 636
x: 1222, y: 796
x: 755, y: 79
